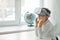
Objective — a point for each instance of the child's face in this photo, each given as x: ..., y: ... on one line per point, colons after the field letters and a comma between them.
x: 43, y: 18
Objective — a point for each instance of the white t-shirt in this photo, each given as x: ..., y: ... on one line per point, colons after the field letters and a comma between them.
x: 46, y: 28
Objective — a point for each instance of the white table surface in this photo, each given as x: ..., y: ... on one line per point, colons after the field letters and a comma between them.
x: 20, y: 34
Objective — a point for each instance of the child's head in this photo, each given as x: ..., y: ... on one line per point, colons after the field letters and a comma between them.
x: 44, y: 14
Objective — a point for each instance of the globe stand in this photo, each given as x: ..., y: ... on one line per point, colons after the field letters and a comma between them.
x: 31, y: 25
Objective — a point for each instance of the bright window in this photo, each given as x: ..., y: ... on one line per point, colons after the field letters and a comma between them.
x: 9, y: 12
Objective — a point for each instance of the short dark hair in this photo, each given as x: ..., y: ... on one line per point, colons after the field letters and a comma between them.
x: 47, y: 10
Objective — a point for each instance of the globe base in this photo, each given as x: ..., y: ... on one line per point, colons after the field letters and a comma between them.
x: 31, y: 25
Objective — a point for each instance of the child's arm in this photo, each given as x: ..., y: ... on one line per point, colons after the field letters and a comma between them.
x: 40, y: 23
x: 36, y: 22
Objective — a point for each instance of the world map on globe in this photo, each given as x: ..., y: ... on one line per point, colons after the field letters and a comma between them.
x: 29, y: 18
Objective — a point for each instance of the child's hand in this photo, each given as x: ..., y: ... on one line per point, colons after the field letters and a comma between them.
x: 41, y: 22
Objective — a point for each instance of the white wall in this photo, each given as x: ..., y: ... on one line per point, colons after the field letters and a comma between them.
x: 54, y: 6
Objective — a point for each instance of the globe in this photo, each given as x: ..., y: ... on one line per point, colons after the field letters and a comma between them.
x: 29, y: 18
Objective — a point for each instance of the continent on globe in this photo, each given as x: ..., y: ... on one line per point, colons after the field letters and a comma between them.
x: 29, y: 18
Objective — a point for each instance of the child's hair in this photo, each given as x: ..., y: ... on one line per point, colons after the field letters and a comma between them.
x: 47, y: 10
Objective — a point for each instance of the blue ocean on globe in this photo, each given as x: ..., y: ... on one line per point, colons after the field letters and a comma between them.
x: 29, y: 18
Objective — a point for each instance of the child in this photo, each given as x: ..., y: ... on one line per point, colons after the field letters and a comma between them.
x: 43, y: 25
